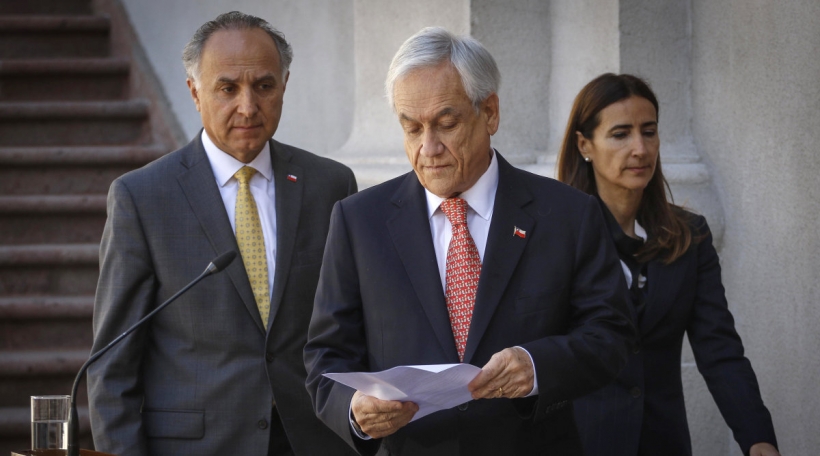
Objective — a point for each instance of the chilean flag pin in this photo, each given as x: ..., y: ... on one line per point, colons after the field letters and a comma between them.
x: 292, y: 178
x: 519, y: 232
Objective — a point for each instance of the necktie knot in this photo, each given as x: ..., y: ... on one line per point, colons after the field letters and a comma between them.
x: 244, y: 175
x: 455, y: 209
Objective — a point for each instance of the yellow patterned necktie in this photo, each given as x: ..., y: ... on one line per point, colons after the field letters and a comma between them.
x: 252, y: 242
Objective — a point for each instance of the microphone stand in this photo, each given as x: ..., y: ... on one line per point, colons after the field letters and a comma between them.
x: 215, y: 266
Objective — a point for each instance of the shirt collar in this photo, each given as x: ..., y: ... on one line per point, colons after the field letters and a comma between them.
x: 639, y: 231
x: 225, y: 165
x: 480, y: 197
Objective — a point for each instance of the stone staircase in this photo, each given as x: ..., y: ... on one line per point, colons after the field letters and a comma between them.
x: 78, y: 107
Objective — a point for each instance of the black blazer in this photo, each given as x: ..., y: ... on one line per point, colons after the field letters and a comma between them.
x: 642, y: 411
x: 201, y: 377
x: 558, y: 293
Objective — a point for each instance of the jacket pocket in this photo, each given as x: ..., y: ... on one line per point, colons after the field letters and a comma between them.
x: 176, y: 424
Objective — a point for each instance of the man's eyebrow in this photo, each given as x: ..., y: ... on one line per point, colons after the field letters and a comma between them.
x: 448, y: 111
x: 404, y: 118
x: 264, y: 78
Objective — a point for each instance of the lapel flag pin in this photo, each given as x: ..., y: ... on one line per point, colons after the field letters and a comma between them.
x: 519, y: 232
x: 291, y: 178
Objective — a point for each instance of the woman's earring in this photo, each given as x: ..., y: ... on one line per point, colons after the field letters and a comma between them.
x: 586, y: 159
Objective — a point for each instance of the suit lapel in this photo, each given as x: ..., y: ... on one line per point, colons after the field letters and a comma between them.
x: 410, y: 230
x: 200, y: 189
x: 288, y: 207
x: 664, y: 282
x: 503, y: 250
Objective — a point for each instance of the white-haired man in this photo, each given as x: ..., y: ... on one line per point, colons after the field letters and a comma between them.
x: 466, y: 259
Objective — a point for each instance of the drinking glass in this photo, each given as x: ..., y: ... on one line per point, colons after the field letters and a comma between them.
x: 49, y: 422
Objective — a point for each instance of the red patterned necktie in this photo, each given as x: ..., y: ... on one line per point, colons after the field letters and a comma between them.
x: 463, y: 271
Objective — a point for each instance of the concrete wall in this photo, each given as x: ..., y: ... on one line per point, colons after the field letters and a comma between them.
x: 523, y: 57
x: 317, y: 113
x: 756, y: 103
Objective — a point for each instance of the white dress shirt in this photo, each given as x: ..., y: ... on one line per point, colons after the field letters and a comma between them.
x: 262, y: 187
x: 480, y: 204
x: 641, y: 233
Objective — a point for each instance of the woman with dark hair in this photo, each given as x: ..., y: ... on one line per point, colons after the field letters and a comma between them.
x: 611, y: 150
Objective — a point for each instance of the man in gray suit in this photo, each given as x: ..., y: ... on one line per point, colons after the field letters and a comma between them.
x: 220, y: 371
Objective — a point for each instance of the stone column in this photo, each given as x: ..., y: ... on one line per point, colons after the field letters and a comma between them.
x: 375, y: 149
x: 517, y: 34
x: 656, y: 44
x: 585, y: 43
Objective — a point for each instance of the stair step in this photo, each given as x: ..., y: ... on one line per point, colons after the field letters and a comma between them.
x: 35, y: 363
x: 74, y: 123
x: 44, y: 322
x: 32, y: 23
x: 45, y: 229
x: 50, y: 204
x: 49, y: 219
x: 46, y: 307
x: 49, y: 269
x: 64, y: 79
x: 16, y: 391
x: 93, y: 155
x: 32, y: 36
x: 63, y: 67
x: 58, y: 180
x: 50, y: 7
x: 16, y: 421
x: 36, y: 110
x: 49, y: 255
x: 39, y: 372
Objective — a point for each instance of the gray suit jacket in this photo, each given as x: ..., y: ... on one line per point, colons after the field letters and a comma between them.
x: 200, y: 378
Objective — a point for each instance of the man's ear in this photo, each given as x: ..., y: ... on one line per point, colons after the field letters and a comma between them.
x: 194, y: 92
x: 491, y: 110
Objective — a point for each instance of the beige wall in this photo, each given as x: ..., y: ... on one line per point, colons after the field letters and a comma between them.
x: 756, y: 102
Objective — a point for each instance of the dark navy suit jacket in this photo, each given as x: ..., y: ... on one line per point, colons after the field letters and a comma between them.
x: 558, y: 292
x: 642, y: 411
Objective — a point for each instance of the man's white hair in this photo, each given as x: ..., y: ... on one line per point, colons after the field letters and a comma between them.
x: 433, y: 45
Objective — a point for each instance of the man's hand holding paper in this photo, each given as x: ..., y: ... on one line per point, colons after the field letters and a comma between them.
x: 509, y: 373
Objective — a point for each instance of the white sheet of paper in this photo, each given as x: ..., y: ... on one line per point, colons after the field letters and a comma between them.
x: 432, y: 387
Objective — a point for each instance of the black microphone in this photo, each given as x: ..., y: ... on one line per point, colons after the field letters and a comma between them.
x: 218, y: 264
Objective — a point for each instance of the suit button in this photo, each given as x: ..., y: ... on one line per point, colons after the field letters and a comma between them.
x: 269, y: 357
x: 463, y: 407
x: 262, y: 424
x: 636, y: 349
x: 635, y: 391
